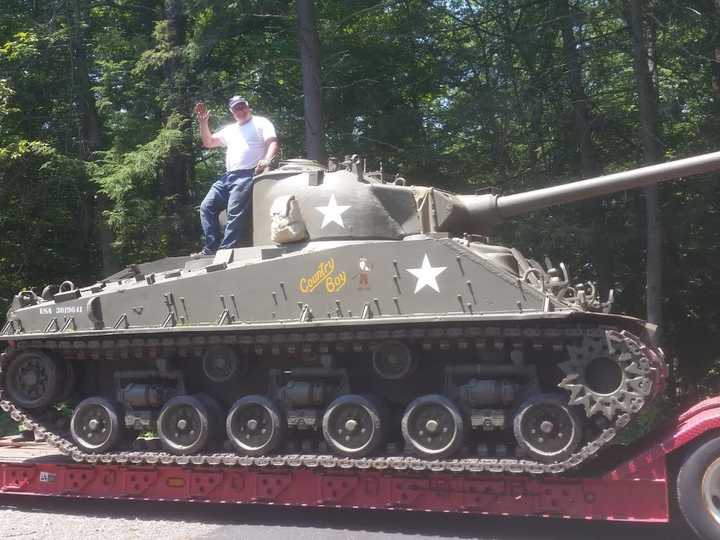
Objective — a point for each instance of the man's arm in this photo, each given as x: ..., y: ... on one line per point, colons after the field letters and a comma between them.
x: 209, y: 140
x: 271, y: 148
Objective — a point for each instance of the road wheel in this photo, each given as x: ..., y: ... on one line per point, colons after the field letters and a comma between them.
x: 352, y: 425
x: 184, y: 425
x: 255, y: 425
x: 547, y: 428
x: 96, y: 425
x: 433, y: 427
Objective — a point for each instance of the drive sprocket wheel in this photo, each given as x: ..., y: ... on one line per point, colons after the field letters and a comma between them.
x: 612, y: 373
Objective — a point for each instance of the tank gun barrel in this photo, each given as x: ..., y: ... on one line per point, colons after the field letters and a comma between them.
x: 520, y: 203
x: 477, y: 213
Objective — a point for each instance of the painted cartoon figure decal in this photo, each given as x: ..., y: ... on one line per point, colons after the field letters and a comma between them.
x: 364, y: 274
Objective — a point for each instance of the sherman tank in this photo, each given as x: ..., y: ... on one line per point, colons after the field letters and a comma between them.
x: 370, y: 323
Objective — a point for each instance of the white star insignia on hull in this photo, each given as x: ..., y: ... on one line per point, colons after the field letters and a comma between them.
x: 427, y: 275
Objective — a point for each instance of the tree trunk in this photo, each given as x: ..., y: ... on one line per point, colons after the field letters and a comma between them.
x: 644, y: 69
x: 90, y: 130
x: 310, y: 58
x: 715, y: 60
x: 582, y: 112
x: 90, y: 127
x: 588, y: 166
x: 179, y: 171
x: 174, y: 68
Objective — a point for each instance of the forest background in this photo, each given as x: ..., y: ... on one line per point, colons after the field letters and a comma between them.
x: 101, y: 165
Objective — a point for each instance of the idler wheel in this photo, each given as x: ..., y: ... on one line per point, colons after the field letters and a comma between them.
x: 392, y: 360
x: 352, y: 425
x: 433, y: 426
x: 96, y: 425
x: 34, y: 379
x: 255, y: 425
x: 547, y: 428
x: 184, y: 425
x: 220, y: 363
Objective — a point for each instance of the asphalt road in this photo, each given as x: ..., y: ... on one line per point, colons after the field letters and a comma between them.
x: 57, y: 519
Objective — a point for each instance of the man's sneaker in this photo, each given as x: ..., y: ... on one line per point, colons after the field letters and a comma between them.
x: 203, y: 253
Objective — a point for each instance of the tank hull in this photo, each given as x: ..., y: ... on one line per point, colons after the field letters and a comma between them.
x: 357, y: 353
x: 325, y: 281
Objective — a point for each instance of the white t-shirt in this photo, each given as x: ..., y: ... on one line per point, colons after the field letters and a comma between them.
x: 246, y: 143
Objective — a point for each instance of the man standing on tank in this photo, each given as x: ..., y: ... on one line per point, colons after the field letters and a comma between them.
x: 251, y: 143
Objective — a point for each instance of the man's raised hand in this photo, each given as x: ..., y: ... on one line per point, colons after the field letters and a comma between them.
x: 201, y: 111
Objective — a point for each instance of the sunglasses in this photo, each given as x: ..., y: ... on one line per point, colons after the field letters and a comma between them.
x: 239, y: 107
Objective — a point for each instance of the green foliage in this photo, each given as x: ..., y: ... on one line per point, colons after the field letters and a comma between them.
x: 141, y: 217
x: 7, y: 425
x: 6, y: 93
x: 46, y: 221
x: 23, y: 47
x: 158, y: 56
x: 649, y: 420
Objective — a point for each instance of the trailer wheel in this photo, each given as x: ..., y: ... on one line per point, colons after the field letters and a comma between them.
x: 698, y: 489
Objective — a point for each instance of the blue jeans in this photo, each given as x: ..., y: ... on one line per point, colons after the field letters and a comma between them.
x: 233, y: 190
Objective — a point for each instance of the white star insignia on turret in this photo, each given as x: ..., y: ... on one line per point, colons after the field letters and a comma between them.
x: 427, y: 275
x: 332, y: 213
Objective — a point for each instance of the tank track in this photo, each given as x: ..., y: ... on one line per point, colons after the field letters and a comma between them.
x: 651, y: 373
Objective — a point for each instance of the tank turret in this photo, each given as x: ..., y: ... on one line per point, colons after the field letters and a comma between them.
x: 348, y: 204
x: 363, y: 328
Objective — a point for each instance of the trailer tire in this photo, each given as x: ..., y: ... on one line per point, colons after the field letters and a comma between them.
x: 698, y: 488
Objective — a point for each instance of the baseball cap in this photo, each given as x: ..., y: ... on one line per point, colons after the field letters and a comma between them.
x: 236, y: 100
